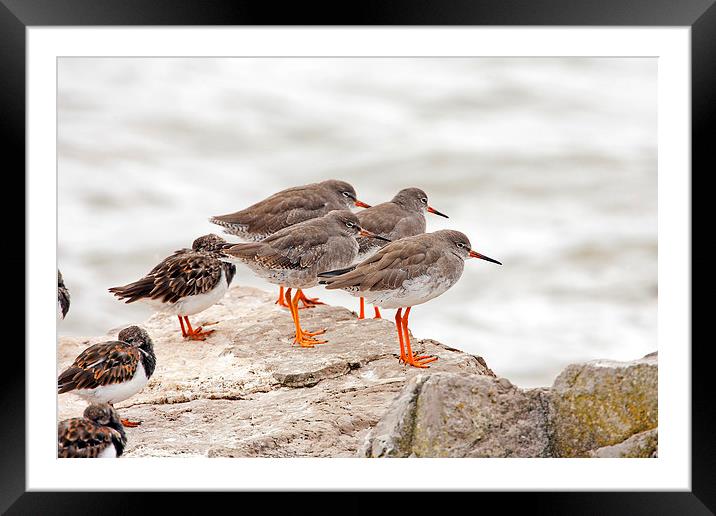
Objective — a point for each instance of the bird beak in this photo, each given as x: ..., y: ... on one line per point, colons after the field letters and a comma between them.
x: 366, y: 233
x: 474, y: 254
x: 361, y: 204
x: 436, y: 212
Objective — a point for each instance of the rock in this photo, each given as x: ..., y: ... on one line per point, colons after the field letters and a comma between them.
x: 461, y: 415
x: 642, y: 445
x: 247, y: 391
x: 594, y: 409
x: 602, y: 403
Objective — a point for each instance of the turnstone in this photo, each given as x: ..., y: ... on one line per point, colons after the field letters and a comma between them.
x: 63, y: 297
x: 405, y: 273
x: 294, y: 255
x: 99, y: 434
x: 112, y: 371
x: 185, y: 283
x: 401, y: 217
x: 286, y: 208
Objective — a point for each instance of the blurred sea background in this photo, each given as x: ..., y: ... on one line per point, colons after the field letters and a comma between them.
x: 547, y: 164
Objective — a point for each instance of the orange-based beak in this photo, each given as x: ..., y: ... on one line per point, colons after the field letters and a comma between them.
x: 366, y: 233
x: 475, y: 254
x: 436, y: 212
x: 361, y: 204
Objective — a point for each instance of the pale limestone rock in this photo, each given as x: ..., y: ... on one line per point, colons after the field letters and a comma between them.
x: 247, y: 391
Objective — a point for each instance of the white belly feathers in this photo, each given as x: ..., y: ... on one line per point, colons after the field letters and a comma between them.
x: 191, y: 305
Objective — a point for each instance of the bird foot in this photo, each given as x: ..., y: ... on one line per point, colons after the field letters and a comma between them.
x: 309, y: 302
x: 416, y: 360
x: 197, y: 334
x: 129, y: 424
x: 305, y: 338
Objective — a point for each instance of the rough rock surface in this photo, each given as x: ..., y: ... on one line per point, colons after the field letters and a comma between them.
x: 247, y: 391
x: 594, y: 409
x: 643, y: 445
x: 602, y: 403
x: 461, y: 415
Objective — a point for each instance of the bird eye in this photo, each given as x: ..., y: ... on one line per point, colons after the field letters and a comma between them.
x: 424, y: 200
x: 460, y: 245
x: 345, y: 194
x: 349, y: 224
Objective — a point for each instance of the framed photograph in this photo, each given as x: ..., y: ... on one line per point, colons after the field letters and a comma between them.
x: 198, y: 168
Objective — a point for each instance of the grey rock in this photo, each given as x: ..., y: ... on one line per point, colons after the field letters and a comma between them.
x: 461, y: 415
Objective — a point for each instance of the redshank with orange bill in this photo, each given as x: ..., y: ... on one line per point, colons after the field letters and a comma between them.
x: 405, y: 273
x: 286, y: 208
x: 402, y: 216
x: 293, y: 256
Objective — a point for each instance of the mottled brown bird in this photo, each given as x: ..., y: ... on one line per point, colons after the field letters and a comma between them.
x: 63, y: 297
x: 185, y: 283
x: 112, y: 371
x: 98, y: 434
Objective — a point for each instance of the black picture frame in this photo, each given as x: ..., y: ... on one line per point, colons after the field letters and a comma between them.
x: 17, y: 15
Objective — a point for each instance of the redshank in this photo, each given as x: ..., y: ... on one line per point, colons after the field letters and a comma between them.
x: 112, y: 371
x: 288, y: 207
x: 185, y: 283
x: 293, y: 256
x: 63, y: 297
x: 98, y: 434
x: 405, y: 273
x: 401, y: 217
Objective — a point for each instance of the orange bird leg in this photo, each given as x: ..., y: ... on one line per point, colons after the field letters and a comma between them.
x: 196, y: 333
x: 303, y: 338
x: 308, y: 302
x: 399, y: 325
x: 281, y: 301
x: 126, y: 422
x: 415, y: 361
x: 361, y: 315
x: 377, y: 313
x: 181, y: 322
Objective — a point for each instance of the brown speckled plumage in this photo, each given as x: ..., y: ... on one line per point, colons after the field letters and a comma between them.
x: 188, y: 272
x: 63, y: 295
x: 91, y: 435
x: 110, y: 362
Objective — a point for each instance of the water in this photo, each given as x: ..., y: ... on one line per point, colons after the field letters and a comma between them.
x: 548, y: 165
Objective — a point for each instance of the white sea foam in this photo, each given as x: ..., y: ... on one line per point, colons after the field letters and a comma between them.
x: 548, y: 165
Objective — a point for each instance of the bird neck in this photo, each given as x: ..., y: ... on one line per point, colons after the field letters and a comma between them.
x: 149, y: 360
